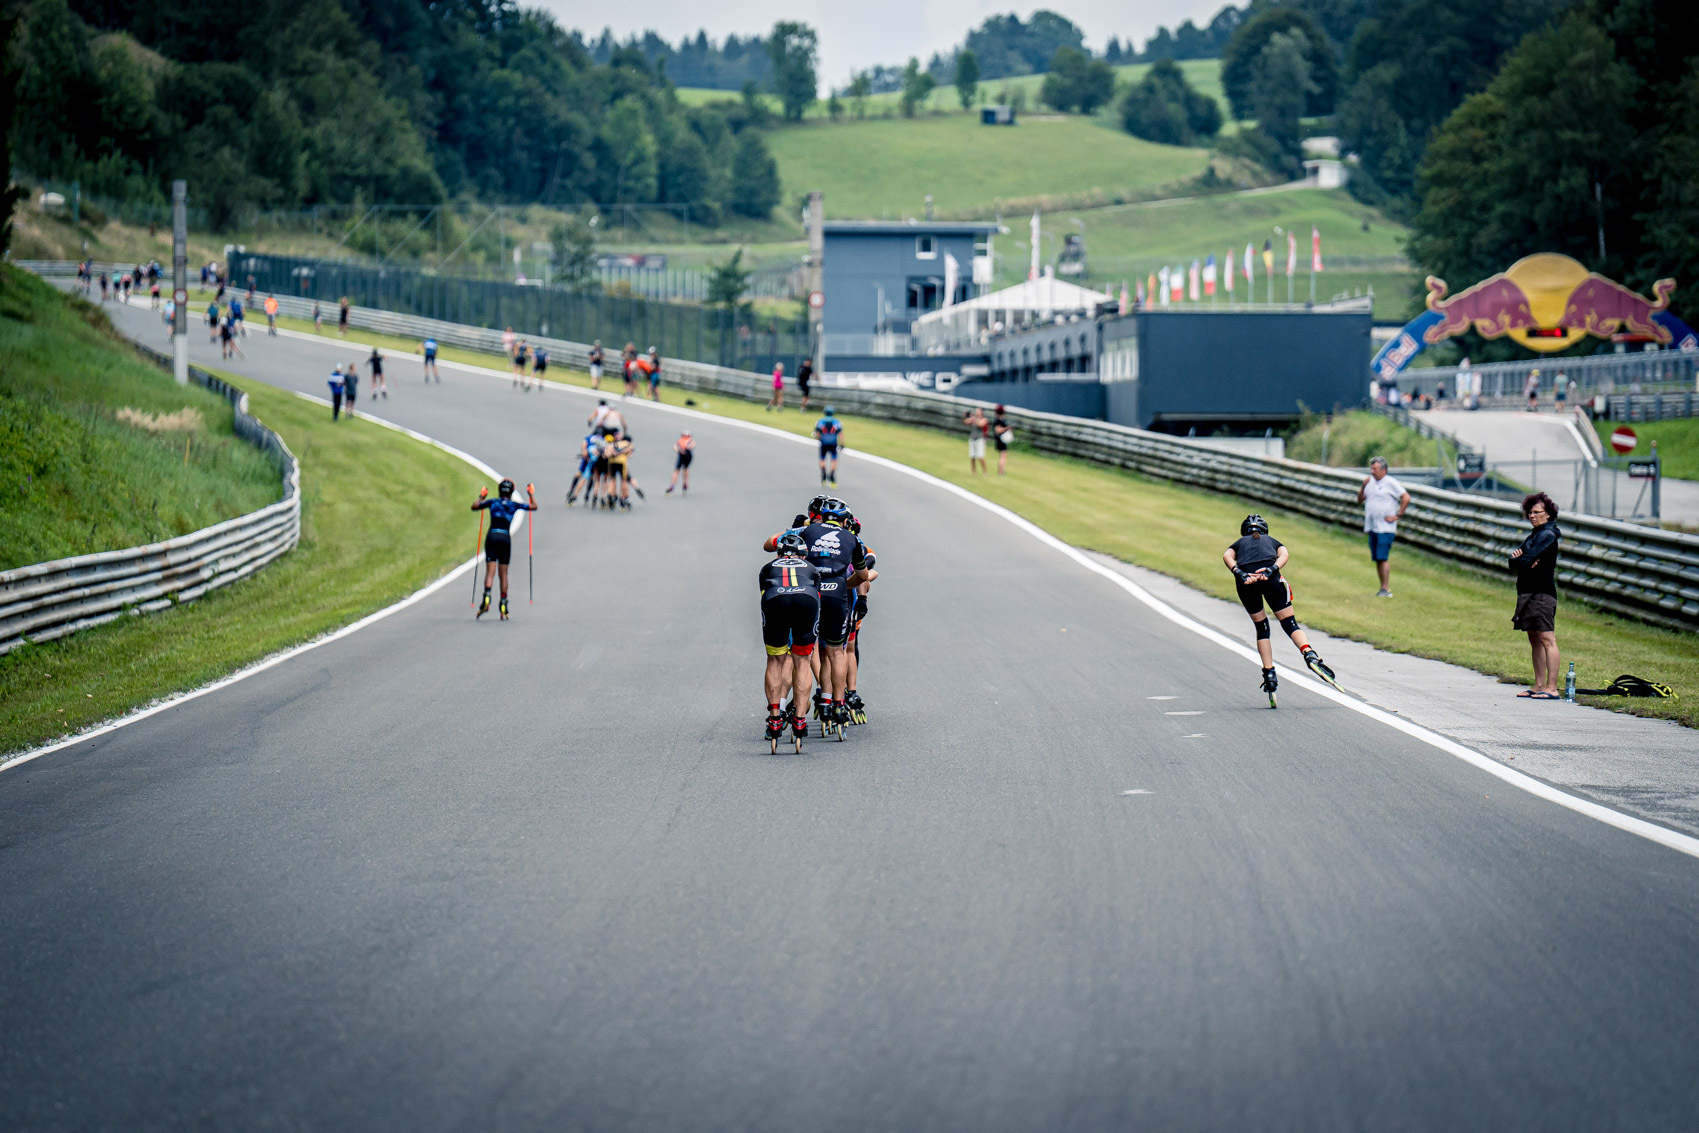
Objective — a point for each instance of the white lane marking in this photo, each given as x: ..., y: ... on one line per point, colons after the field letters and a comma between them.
x: 294, y: 651
x: 1139, y: 791
x: 1182, y: 713
x: 1162, y: 698
x: 1196, y: 736
x: 1651, y: 831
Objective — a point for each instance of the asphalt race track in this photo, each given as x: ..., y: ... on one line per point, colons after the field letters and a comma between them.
x: 446, y: 874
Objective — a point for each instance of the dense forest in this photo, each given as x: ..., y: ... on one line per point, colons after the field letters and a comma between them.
x: 299, y: 102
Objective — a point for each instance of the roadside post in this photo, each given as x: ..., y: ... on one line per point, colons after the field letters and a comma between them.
x: 180, y: 281
x: 1650, y: 470
x: 814, y: 216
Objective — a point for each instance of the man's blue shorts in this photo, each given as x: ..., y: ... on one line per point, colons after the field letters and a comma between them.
x: 1380, y: 545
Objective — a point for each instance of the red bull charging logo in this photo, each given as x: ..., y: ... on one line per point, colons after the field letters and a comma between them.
x: 1547, y: 302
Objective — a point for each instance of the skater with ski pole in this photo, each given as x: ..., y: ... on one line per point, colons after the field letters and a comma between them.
x: 483, y: 493
x: 498, y: 544
x: 1256, y: 559
x: 530, y: 559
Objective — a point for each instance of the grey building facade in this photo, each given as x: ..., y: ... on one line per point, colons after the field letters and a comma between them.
x: 880, y: 276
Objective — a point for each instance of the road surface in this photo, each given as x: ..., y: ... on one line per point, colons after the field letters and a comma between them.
x: 442, y: 874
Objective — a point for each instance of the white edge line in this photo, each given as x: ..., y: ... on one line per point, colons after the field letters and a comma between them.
x: 1651, y: 831
x: 295, y: 650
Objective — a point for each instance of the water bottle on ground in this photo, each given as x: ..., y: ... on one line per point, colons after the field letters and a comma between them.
x: 1569, y: 684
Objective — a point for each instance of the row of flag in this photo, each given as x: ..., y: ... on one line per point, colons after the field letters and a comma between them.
x: 1175, y: 284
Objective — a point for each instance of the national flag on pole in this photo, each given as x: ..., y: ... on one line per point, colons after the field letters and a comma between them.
x: 1249, y: 278
x: 1032, y: 272
x: 1141, y: 293
x: 1177, y: 281
x: 1228, y: 271
x: 1267, y: 256
x: 1126, y: 299
x: 1315, y: 249
x: 1196, y: 294
x: 1150, y: 289
x: 1291, y: 254
x: 1209, y: 275
x: 1164, y: 281
x: 952, y: 276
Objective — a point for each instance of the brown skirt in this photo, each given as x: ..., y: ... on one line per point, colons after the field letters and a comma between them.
x: 1535, y: 613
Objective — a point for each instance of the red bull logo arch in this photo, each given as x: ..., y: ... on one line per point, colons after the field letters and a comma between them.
x: 1544, y: 302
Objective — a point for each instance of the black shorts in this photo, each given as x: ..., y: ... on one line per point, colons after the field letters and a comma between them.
x: 542, y: 364
x: 498, y: 547
x: 790, y: 623
x: 1275, y: 591
x: 600, y: 468
x: 684, y: 459
x: 1535, y: 613
x: 829, y: 452
x: 837, y: 601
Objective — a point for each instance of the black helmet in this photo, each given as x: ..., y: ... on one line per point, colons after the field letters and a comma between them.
x: 1254, y: 525
x: 505, y: 488
x: 791, y: 543
x: 817, y: 503
x: 854, y: 525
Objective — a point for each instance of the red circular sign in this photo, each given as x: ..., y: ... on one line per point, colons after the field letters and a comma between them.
x: 816, y: 299
x: 1623, y: 439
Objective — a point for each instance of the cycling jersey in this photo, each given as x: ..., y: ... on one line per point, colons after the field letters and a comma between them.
x: 1257, y: 552
x: 790, y: 608
x: 836, y: 551
x: 828, y: 429
x: 430, y: 348
x: 502, y: 512
x: 788, y: 576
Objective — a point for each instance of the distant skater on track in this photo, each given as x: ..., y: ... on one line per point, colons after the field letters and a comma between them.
x: 1256, y: 559
x: 429, y: 347
x: 498, y: 544
x: 684, y: 451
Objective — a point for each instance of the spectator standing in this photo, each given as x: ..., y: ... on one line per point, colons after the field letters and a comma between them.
x: 1384, y: 503
x: 596, y: 358
x: 351, y: 385
x: 1532, y: 389
x: 1535, y: 564
x: 1002, y: 435
x: 335, y: 383
x: 342, y: 318
x: 318, y: 318
x: 978, y: 425
x: 653, y: 370
x: 804, y: 378
x: 777, y: 401
x: 508, y: 338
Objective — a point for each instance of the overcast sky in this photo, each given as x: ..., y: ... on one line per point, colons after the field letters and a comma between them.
x: 864, y: 32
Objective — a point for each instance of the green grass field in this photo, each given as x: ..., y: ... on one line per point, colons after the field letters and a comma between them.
x: 1203, y: 74
x: 359, y: 552
x: 74, y: 477
x: 1181, y: 532
x: 1678, y: 444
x: 883, y: 168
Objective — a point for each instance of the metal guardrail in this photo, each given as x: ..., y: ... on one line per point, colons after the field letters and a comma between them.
x: 1639, y: 572
x: 1634, y: 407
x: 50, y: 600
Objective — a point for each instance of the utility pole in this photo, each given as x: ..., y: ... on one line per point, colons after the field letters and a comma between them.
x: 816, y: 222
x: 180, y: 281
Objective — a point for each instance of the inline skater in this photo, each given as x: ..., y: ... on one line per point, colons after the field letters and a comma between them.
x: 429, y: 346
x: 539, y: 365
x: 619, y: 467
x: 498, y: 544
x: 828, y: 431
x: 516, y: 358
x: 378, y: 380
x: 842, y: 563
x: 1256, y: 559
x: 589, y: 451
x: 605, y: 418
x: 271, y: 315
x: 858, y: 613
x: 596, y: 358
x: 790, y: 617
x: 601, y: 472
x: 684, y: 451
x: 237, y: 316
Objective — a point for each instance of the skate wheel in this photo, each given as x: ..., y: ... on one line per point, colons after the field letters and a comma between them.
x: 1271, y: 702
x: 773, y: 747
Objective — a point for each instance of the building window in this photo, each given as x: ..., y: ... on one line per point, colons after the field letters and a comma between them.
x: 925, y: 294
x: 925, y: 248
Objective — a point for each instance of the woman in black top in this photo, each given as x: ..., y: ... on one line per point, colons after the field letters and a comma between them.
x: 1535, y: 564
x: 1001, y: 434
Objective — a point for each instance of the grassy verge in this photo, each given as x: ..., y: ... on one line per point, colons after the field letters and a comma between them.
x: 359, y: 552
x: 1678, y: 443
x: 98, y: 449
x: 1352, y: 439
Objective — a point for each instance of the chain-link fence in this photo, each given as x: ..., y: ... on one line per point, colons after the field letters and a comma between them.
x: 736, y: 339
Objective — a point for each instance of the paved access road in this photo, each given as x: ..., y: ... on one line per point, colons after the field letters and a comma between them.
x: 448, y: 875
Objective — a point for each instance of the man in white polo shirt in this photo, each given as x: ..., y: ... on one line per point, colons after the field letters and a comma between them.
x: 1384, y: 503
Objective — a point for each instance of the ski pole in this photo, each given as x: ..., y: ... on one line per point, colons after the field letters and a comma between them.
x: 483, y: 494
x: 530, y: 560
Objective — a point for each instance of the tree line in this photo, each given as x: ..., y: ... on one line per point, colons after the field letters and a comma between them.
x: 332, y: 101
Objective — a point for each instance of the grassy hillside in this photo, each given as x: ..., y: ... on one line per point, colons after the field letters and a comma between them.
x: 100, y: 450
x: 1203, y: 74
x: 885, y: 167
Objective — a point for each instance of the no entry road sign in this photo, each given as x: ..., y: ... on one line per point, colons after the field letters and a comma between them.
x: 1623, y: 439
